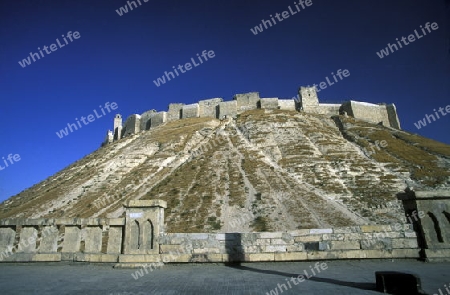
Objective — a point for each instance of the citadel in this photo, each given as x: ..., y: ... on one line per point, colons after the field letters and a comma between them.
x: 308, y: 101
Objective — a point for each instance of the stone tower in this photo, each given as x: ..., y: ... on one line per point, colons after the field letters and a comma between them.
x: 309, y: 101
x: 117, y: 127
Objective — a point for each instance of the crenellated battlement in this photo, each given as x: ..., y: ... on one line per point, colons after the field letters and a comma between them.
x: 307, y: 101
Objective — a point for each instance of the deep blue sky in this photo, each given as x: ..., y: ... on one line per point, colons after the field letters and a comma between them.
x: 117, y: 58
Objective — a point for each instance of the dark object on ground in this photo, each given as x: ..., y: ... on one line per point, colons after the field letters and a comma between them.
x: 398, y: 283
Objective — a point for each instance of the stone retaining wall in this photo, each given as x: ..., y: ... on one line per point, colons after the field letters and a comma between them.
x: 140, y: 238
x: 358, y: 242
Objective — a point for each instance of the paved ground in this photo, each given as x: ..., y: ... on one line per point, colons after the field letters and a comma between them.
x: 341, y: 277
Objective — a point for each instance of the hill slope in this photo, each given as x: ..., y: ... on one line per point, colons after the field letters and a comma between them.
x: 267, y: 170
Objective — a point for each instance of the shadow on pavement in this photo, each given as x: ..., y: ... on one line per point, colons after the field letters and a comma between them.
x: 236, y: 254
x: 362, y: 286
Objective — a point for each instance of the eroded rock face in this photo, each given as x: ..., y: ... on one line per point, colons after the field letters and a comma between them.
x: 267, y: 170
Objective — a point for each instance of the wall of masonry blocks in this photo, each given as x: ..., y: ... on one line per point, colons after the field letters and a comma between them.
x: 217, y: 108
x: 101, y: 240
x: 358, y: 242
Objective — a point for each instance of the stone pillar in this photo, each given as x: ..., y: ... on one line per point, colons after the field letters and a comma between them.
x: 7, y: 237
x: 72, y: 239
x: 144, y: 223
x: 28, y: 238
x: 429, y: 211
x: 49, y: 239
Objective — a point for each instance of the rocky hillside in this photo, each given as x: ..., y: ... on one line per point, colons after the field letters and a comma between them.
x: 265, y: 171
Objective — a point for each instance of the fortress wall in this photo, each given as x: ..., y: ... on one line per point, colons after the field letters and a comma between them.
x: 328, y: 109
x: 247, y: 101
x: 217, y: 108
x: 132, y: 125
x: 269, y: 103
x: 209, y: 107
x: 227, y: 109
x: 394, y: 122
x: 174, y: 112
x: 158, y: 119
x: 369, y: 112
x: 287, y: 104
x: 145, y: 119
x: 190, y: 111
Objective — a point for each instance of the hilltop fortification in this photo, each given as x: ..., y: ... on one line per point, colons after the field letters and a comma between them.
x: 308, y: 101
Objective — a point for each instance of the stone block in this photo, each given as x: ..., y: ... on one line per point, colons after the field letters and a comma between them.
x: 345, y: 245
x: 182, y: 258
x: 206, y: 251
x: 7, y: 238
x: 317, y: 231
x: 270, y: 235
x: 299, y: 232
x: 68, y: 256
x: 198, y: 236
x: 54, y: 257
x: 215, y: 257
x: 354, y: 254
x: 323, y: 255
x: 116, y: 221
x: 324, y: 246
x: 93, y: 239
x: 407, y: 253
x: 165, y: 249
x: 28, y: 238
x: 295, y: 256
x: 49, y: 239
x: 307, y: 239
x: 353, y: 236
x: 274, y: 248
x: 115, y: 240
x: 280, y: 242
x: 378, y: 254
x: 376, y: 244
x: 253, y: 249
x: 20, y: 257
x: 410, y: 234
x: 262, y: 242
x: 404, y: 243
x: 347, y: 230
x: 72, y: 239
x: 333, y: 237
x: 139, y: 258
x: 261, y: 257
x: 298, y: 247
x: 105, y: 258
x: 375, y: 228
